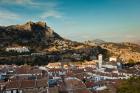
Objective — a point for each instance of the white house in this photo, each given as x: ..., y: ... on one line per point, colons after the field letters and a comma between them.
x: 112, y: 59
x: 17, y: 49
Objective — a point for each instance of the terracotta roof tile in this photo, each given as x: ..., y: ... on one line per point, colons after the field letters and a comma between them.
x: 89, y: 84
x: 13, y: 84
x: 28, y: 84
x: 42, y: 83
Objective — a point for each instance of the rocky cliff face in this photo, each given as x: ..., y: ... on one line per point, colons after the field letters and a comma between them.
x: 28, y: 34
x: 37, y: 36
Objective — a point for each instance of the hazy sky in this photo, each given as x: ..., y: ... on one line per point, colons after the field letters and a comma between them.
x: 110, y: 20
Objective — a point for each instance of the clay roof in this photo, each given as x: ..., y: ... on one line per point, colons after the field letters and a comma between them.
x: 82, y: 91
x: 23, y: 70
x: 13, y: 84
x: 89, y: 84
x: 53, y: 90
x: 42, y: 83
x: 55, y: 70
x: 28, y: 84
x: 74, y: 83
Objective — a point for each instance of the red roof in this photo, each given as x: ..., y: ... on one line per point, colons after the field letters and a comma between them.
x: 89, y: 84
x: 28, y: 84
x: 13, y: 84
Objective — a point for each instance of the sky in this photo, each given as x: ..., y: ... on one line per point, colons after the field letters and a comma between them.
x: 78, y: 20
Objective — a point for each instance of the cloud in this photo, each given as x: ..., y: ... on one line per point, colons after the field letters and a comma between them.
x: 42, y: 9
x: 52, y: 13
x: 79, y: 36
x: 17, y: 1
x: 130, y: 37
x: 31, y: 3
x: 8, y: 17
x: 5, y: 14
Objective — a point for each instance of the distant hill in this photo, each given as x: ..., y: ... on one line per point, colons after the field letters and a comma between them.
x: 95, y: 42
x: 137, y: 42
x: 125, y: 51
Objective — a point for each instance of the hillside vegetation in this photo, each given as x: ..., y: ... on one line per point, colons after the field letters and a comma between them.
x: 125, y: 51
x: 131, y: 85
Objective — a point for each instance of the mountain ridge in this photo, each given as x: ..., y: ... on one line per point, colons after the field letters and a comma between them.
x: 125, y: 51
x: 39, y: 37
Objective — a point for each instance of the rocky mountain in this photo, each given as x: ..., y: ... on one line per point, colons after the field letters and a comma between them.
x: 37, y: 36
x: 44, y: 45
x: 28, y: 33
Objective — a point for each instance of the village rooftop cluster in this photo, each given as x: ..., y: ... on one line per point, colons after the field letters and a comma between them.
x: 65, y: 77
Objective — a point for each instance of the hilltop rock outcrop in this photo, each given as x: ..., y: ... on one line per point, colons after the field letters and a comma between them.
x: 28, y: 34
